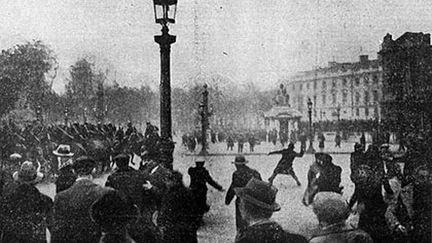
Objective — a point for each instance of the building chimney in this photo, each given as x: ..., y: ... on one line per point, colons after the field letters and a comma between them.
x: 364, y: 59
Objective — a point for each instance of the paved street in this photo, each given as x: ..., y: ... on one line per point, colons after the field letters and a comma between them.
x: 220, y: 221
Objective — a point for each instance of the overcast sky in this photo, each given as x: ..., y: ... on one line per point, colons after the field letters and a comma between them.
x: 256, y: 41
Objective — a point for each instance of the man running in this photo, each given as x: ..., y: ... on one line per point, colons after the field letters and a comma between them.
x: 285, y: 163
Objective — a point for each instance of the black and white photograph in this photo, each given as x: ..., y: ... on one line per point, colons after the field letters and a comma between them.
x: 214, y: 121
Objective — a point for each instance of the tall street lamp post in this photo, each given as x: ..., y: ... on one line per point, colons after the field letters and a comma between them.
x: 165, y: 11
x: 310, y: 150
x: 205, y: 114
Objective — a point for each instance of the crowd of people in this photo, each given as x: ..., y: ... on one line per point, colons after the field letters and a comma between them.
x: 152, y: 203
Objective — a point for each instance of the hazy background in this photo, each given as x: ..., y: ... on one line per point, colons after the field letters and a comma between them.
x: 246, y: 41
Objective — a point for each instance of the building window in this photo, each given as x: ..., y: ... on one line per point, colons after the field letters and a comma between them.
x: 344, y: 97
x: 324, y: 85
x: 366, y: 97
x: 357, y: 97
x: 344, y: 82
x: 376, y: 112
x: 334, y: 98
x: 357, y: 112
x: 301, y: 87
x: 357, y: 81
x: 314, y: 100
x: 315, y: 84
x: 375, y: 96
x: 366, y: 112
x: 307, y: 86
x: 293, y: 87
x: 366, y: 80
x: 334, y: 83
x: 324, y: 99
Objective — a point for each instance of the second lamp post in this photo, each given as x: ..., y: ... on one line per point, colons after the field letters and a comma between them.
x: 205, y: 113
x: 310, y: 150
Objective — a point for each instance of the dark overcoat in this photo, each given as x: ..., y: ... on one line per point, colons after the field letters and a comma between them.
x: 65, y: 179
x: 25, y: 215
x: 199, y: 179
x: 268, y: 232
x: 178, y: 218
x: 72, y: 222
x: 130, y: 182
x: 240, y: 178
x: 285, y: 163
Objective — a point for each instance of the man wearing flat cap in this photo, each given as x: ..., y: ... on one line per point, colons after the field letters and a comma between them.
x: 199, y: 177
x: 332, y: 212
x: 257, y: 205
x: 240, y: 178
x: 72, y: 222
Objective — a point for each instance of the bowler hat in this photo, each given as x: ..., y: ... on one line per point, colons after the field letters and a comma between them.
x: 63, y: 150
x: 290, y: 146
x: 121, y: 156
x: 240, y: 160
x: 113, y: 208
x: 84, y: 164
x: 323, y: 157
x: 330, y: 207
x: 27, y: 173
x: 259, y: 193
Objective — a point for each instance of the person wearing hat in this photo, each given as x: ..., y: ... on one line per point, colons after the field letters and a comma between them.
x: 323, y: 176
x: 134, y: 184
x: 72, y: 222
x: 25, y: 212
x: 257, y: 205
x: 66, y: 175
x: 332, y: 212
x: 178, y: 219
x: 285, y: 163
x: 240, y: 178
x: 199, y: 177
x: 113, y: 212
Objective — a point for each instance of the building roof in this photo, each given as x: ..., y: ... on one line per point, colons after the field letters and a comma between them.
x: 278, y: 112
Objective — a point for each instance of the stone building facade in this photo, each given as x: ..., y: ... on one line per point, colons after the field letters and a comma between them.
x: 348, y: 91
x: 407, y: 83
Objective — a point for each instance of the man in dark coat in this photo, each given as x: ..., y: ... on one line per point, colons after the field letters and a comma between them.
x: 66, y: 176
x: 240, y: 178
x: 422, y: 205
x: 368, y: 195
x: 257, y: 204
x: 25, y: 213
x: 178, y: 218
x: 323, y: 176
x: 72, y: 222
x: 114, y: 212
x: 199, y: 177
x: 285, y: 163
x: 134, y: 184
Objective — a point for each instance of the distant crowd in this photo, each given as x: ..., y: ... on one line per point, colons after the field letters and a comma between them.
x: 152, y: 203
